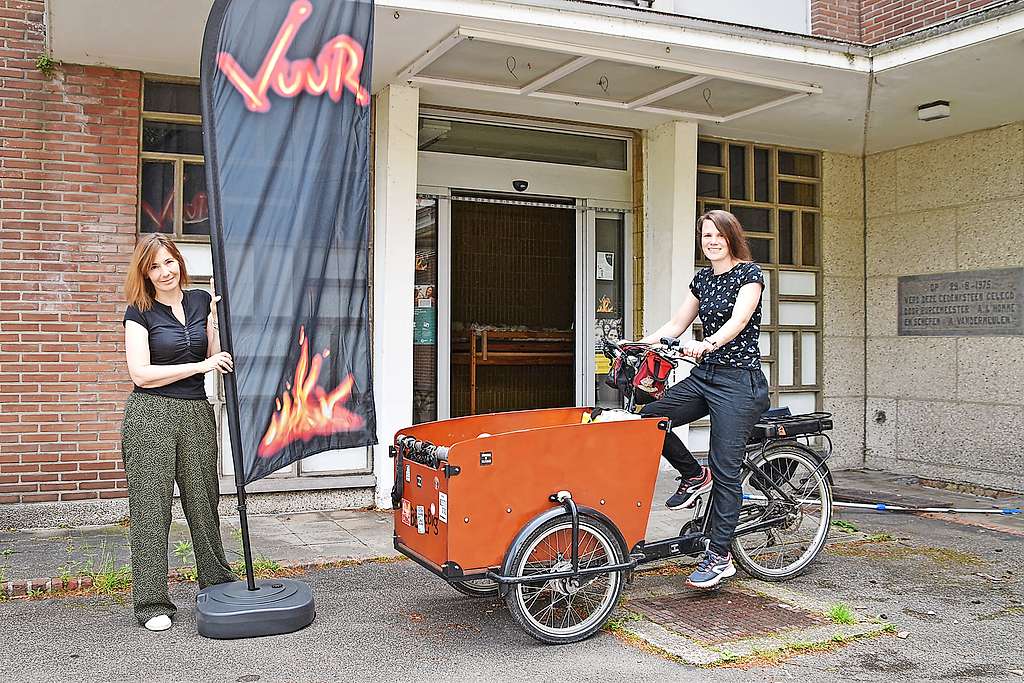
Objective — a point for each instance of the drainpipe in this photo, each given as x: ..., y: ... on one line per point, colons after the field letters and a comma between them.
x: 864, y: 255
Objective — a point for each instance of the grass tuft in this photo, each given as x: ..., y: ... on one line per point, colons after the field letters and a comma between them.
x: 840, y: 613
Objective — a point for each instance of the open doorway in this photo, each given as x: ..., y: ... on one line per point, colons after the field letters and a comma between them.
x: 513, y: 305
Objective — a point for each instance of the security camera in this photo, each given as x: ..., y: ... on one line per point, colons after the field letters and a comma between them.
x: 520, y: 185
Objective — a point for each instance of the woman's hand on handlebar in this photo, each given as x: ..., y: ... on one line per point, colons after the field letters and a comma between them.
x: 221, y: 362
x: 696, y: 349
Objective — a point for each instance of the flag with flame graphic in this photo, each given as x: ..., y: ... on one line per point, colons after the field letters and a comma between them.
x: 285, y: 88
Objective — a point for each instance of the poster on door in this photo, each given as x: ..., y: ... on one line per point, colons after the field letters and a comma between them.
x: 424, y: 315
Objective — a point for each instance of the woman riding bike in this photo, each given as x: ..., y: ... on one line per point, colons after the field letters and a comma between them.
x: 727, y: 384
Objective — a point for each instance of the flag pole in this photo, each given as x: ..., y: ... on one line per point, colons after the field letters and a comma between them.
x: 231, y: 395
x: 221, y: 284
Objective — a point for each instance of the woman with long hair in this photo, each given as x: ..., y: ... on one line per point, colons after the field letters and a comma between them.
x: 727, y: 384
x: 169, y: 434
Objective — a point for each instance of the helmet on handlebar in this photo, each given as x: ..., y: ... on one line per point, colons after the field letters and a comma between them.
x: 640, y: 371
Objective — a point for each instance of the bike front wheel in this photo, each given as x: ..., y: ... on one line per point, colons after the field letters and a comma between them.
x: 565, y: 610
x: 779, y: 536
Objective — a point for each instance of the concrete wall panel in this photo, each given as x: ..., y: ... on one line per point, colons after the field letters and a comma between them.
x: 843, y: 371
x: 844, y: 178
x: 842, y: 212
x: 912, y: 243
x: 926, y: 431
x: 881, y: 307
x: 991, y: 235
x: 843, y: 245
x: 881, y: 184
x: 963, y: 441
x: 914, y: 367
x: 990, y: 369
x: 848, y: 434
x: 976, y: 167
x: 882, y: 419
x: 843, y: 306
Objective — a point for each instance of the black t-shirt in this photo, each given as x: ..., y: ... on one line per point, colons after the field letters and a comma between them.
x: 171, y: 343
x: 717, y: 297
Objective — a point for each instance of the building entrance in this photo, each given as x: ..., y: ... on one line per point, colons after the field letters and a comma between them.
x: 513, y: 306
x: 513, y: 299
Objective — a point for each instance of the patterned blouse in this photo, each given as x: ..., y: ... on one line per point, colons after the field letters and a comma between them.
x: 717, y: 297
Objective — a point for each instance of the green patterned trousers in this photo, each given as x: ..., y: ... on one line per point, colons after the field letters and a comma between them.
x: 163, y: 441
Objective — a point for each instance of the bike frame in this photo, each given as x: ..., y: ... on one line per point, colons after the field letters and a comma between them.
x: 686, y: 543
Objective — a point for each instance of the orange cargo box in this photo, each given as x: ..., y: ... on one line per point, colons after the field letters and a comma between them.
x: 460, y: 507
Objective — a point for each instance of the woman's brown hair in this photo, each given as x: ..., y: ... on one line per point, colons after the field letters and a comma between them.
x: 731, y: 230
x: 138, y: 288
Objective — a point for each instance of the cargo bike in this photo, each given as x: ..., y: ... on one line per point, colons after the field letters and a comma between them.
x: 548, y: 509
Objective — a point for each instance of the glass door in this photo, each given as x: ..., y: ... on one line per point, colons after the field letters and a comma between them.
x: 609, y: 314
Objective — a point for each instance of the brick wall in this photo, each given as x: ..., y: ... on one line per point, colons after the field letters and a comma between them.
x: 836, y: 19
x: 884, y: 19
x: 68, y: 187
x: 872, y: 21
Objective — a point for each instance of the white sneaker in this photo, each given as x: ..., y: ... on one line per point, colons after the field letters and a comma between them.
x: 160, y: 622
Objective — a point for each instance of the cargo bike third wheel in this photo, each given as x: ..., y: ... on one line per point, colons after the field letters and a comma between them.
x: 477, y: 588
x: 566, y: 610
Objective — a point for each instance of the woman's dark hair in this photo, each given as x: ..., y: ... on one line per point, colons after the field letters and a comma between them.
x: 731, y: 229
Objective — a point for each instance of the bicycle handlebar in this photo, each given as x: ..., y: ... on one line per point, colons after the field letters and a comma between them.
x: 671, y: 344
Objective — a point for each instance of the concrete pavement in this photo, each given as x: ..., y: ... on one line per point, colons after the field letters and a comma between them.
x: 310, y: 538
x: 955, y: 593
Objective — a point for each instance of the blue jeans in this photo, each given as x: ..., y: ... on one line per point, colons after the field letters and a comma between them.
x: 735, y: 398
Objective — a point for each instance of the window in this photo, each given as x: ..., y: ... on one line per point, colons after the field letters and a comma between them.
x: 172, y: 177
x: 452, y: 136
x: 776, y: 195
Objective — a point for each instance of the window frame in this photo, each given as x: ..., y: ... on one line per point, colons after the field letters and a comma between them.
x: 774, y: 267
x: 179, y: 160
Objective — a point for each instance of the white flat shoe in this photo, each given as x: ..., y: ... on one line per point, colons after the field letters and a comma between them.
x: 160, y: 622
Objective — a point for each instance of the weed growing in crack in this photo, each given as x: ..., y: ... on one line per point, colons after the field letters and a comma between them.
x: 840, y: 613
x: 186, y: 560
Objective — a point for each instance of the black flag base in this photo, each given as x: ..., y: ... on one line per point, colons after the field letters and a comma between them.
x: 231, y: 610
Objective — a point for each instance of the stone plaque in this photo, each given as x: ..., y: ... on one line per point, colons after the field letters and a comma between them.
x: 972, y: 302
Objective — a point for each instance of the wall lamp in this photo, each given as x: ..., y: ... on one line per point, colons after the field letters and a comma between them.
x: 939, y: 109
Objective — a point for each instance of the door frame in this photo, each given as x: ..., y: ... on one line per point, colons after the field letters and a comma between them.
x: 439, y: 174
x: 587, y: 211
x: 587, y: 271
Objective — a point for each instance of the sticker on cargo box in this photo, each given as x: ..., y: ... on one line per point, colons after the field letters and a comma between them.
x: 421, y: 520
x: 406, y: 512
x: 408, y: 473
x: 442, y: 506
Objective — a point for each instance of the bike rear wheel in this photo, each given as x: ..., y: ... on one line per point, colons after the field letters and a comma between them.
x: 777, y: 539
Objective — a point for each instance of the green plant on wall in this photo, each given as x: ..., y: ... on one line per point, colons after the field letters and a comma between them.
x: 47, y: 65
